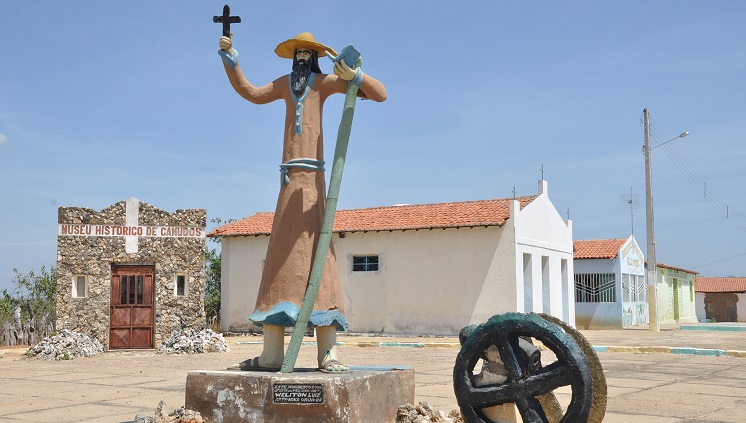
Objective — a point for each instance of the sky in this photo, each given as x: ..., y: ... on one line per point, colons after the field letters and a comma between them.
x: 103, y: 101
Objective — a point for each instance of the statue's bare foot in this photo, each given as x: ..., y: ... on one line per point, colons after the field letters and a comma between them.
x: 331, y: 365
x: 253, y: 364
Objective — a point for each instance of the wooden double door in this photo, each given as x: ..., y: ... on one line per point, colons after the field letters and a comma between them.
x: 131, y: 311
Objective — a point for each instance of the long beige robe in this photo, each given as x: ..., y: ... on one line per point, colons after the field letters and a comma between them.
x: 300, y: 206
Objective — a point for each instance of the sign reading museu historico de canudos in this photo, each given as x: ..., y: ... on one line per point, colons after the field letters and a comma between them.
x: 74, y: 229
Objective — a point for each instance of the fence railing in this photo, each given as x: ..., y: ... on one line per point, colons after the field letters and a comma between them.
x: 595, y: 288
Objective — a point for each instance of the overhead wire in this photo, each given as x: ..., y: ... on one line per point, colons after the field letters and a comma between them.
x: 719, y: 261
x: 697, y: 182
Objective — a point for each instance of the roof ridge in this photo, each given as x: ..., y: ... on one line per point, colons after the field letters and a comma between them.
x: 439, y: 204
x: 601, y: 239
x: 456, y: 214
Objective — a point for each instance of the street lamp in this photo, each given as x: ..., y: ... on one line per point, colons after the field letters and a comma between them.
x: 651, y: 276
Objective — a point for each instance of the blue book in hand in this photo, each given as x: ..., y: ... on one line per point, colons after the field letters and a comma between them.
x: 349, y: 54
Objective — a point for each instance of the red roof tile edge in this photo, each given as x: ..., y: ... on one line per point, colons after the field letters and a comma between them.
x: 680, y: 269
x: 597, y: 248
x: 394, y: 218
x: 719, y: 284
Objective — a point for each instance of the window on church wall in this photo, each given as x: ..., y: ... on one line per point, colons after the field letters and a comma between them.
x: 691, y: 292
x: 365, y: 263
x: 528, y: 283
x: 546, y: 291
x: 180, y: 288
x: 642, y: 289
x: 595, y: 288
x: 80, y: 286
x: 633, y: 288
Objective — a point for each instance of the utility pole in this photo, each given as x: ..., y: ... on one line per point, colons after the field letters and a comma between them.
x: 631, y: 209
x: 651, y: 275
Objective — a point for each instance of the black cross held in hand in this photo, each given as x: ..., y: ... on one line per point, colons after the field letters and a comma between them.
x: 226, y: 19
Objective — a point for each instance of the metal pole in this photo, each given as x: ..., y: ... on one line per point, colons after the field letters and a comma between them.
x: 651, y: 275
x: 631, y: 211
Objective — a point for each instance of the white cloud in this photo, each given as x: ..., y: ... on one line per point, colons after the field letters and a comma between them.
x: 4, y: 139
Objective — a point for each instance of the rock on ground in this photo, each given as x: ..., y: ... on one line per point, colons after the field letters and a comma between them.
x: 162, y: 415
x: 66, y: 345
x: 190, y: 341
x: 423, y: 413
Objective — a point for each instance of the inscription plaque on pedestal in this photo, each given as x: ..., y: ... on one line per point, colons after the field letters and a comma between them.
x: 297, y: 393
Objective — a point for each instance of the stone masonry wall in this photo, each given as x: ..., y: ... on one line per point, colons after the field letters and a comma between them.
x: 93, y: 256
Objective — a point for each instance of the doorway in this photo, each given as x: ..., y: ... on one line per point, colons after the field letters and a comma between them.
x: 131, y: 309
x: 721, y: 306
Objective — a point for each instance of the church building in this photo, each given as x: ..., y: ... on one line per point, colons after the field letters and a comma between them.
x: 130, y: 274
x: 610, y: 290
x: 424, y: 268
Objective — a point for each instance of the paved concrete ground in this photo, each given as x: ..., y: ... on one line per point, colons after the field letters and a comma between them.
x: 114, y: 387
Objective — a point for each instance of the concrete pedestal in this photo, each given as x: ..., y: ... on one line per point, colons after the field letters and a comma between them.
x: 365, y: 394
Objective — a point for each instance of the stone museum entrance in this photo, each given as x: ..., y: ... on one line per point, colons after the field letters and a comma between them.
x: 131, y: 306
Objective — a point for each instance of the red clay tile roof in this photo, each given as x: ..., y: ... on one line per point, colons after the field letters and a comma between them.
x: 713, y: 284
x: 666, y: 266
x: 674, y: 268
x: 258, y: 224
x: 597, y: 248
x: 394, y: 218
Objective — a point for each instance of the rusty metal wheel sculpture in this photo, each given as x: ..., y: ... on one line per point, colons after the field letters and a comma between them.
x: 523, y: 385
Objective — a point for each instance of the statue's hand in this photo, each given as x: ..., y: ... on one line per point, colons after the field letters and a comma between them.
x: 227, y: 52
x: 343, y: 71
x: 226, y: 43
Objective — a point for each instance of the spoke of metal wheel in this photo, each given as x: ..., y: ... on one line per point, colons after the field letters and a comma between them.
x: 507, y: 344
x: 548, y: 379
x: 531, y: 410
x: 488, y: 396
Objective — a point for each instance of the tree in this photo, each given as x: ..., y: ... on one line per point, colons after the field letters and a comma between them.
x: 35, y: 295
x: 212, y: 284
x: 212, y: 278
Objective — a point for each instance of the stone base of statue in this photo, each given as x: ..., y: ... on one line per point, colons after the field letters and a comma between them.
x: 365, y: 394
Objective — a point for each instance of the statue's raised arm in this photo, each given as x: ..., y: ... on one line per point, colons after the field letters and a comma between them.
x: 257, y: 95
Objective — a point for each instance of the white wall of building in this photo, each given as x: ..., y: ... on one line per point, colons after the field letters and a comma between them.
x: 683, y: 298
x: 635, y: 311
x: 544, y: 240
x: 699, y: 304
x: 610, y: 315
x: 600, y: 315
x: 429, y: 281
x: 241, y: 273
x: 631, y: 261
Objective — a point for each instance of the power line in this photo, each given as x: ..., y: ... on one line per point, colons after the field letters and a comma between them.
x: 719, y: 261
x: 695, y: 180
x: 699, y: 185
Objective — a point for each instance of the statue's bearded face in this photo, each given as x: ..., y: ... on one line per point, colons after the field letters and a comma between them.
x: 305, y: 61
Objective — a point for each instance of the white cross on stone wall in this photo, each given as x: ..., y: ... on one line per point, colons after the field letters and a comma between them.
x: 132, y: 215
